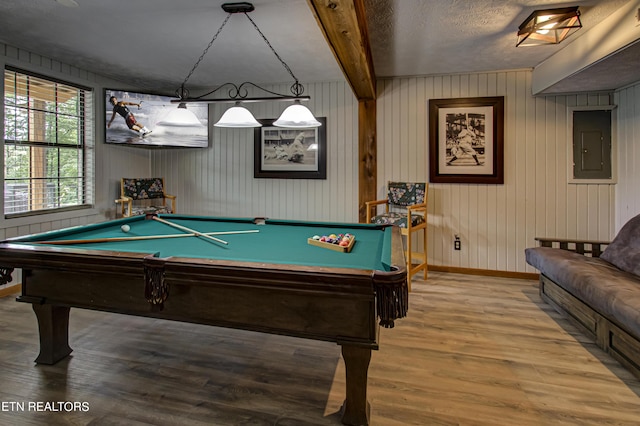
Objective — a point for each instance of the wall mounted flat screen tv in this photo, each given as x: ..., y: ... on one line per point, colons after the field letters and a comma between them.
x: 152, y: 121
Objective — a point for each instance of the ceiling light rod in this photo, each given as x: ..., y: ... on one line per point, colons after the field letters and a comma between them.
x: 239, y: 93
x: 240, y: 99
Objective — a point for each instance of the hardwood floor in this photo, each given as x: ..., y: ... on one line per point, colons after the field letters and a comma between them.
x: 474, y: 350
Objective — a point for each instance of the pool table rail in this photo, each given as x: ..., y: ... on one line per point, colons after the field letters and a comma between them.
x: 333, y: 305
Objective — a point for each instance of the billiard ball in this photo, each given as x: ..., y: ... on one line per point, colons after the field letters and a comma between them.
x: 125, y: 228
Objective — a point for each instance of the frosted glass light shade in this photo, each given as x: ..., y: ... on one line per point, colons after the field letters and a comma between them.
x: 237, y: 117
x: 297, y: 116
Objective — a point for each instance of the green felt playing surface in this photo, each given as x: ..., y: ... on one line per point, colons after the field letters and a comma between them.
x: 278, y: 241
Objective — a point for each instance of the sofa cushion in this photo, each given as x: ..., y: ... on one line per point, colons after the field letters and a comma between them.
x: 624, y: 250
x: 613, y: 293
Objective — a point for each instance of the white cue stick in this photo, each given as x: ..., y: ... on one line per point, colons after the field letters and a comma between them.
x: 184, y: 228
x: 143, y: 237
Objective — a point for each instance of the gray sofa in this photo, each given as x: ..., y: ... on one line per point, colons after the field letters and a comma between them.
x: 598, y: 290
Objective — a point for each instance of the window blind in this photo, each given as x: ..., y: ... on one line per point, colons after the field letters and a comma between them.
x: 48, y: 144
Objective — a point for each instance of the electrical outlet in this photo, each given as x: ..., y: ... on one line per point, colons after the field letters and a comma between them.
x: 456, y: 243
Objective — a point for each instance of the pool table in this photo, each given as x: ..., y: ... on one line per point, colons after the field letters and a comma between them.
x: 263, y: 277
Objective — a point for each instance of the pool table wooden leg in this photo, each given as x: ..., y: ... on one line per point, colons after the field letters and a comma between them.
x: 53, y: 323
x: 355, y: 410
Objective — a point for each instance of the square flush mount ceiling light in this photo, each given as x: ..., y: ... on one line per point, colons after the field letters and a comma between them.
x: 549, y: 26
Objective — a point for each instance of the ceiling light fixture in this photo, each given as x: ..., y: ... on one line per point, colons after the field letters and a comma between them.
x: 238, y: 116
x: 549, y: 26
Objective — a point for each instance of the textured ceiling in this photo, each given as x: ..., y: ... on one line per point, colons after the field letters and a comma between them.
x: 416, y: 37
x: 153, y: 44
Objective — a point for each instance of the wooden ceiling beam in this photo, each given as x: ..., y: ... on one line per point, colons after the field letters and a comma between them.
x: 344, y: 25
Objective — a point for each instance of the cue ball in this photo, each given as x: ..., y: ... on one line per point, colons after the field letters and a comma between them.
x: 125, y: 228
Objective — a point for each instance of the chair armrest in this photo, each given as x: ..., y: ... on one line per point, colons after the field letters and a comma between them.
x: 173, y: 202
x: 593, y: 247
x: 416, y: 209
x: 124, y: 199
x: 422, y: 207
x: 127, y: 203
x: 374, y: 203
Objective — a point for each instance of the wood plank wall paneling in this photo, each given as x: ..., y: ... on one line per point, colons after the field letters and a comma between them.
x: 495, y: 222
x: 628, y: 138
x: 219, y: 180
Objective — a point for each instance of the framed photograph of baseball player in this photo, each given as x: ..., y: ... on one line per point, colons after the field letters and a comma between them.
x: 287, y: 153
x: 466, y: 140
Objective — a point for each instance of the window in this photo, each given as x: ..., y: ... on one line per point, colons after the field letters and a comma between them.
x: 48, y: 141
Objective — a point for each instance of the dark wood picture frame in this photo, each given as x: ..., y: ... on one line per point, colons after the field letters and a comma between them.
x: 473, y: 156
x: 275, y: 155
